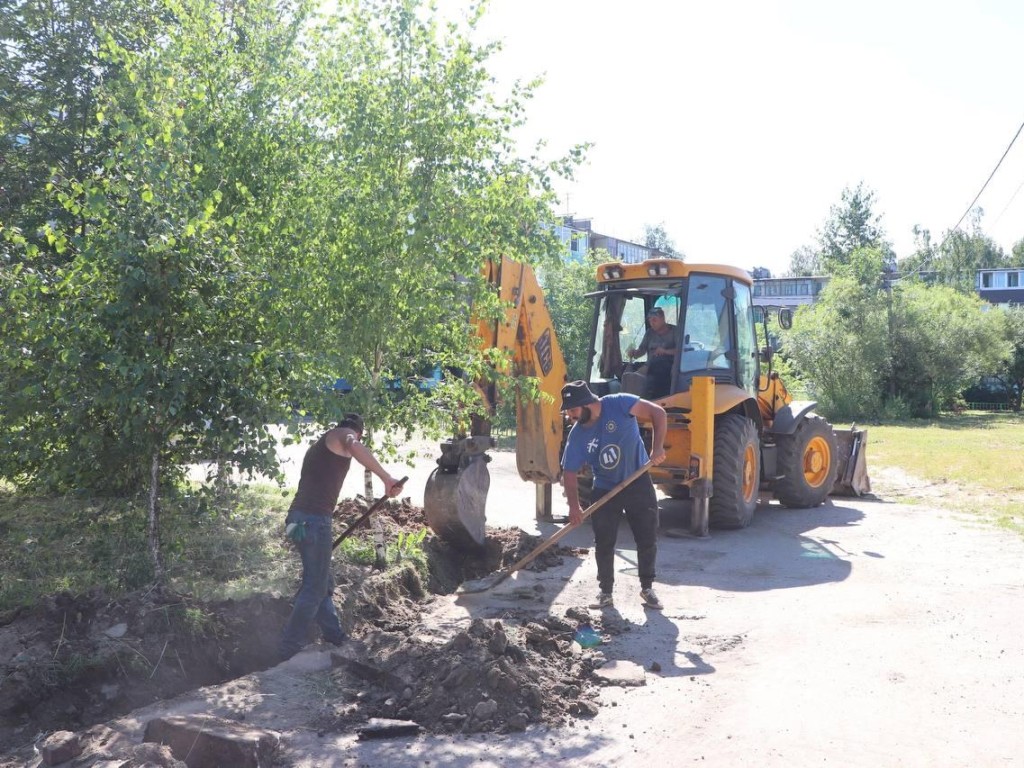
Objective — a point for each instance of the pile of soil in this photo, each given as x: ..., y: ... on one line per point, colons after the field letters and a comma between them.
x: 496, y: 676
x: 450, y: 566
x: 76, y: 660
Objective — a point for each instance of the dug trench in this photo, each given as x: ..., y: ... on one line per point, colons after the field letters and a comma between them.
x: 74, y: 661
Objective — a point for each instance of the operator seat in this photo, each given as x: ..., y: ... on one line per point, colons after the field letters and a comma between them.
x: 634, y: 383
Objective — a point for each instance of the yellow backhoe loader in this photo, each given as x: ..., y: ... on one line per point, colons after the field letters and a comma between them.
x: 735, y: 435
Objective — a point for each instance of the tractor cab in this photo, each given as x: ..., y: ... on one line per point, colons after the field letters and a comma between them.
x: 660, y: 323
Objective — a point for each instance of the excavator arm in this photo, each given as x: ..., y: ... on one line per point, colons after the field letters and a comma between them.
x: 456, y: 492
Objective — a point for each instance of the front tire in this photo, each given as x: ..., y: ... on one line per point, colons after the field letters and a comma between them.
x: 807, y: 462
x: 736, y: 474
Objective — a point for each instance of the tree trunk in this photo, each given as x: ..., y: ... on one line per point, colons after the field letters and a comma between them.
x: 379, y: 548
x: 154, y: 518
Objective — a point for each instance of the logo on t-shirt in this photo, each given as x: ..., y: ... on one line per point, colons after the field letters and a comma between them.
x: 611, y: 426
x: 609, y: 457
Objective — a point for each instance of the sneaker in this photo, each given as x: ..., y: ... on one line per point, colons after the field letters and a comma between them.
x: 604, y: 600
x: 650, y: 600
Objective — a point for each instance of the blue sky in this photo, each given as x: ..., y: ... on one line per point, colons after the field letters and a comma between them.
x: 739, y: 124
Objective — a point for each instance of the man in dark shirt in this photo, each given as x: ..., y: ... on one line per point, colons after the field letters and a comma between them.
x: 323, y: 472
x: 659, y: 344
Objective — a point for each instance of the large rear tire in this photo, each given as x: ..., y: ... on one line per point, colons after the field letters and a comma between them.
x: 807, y: 462
x: 736, y: 474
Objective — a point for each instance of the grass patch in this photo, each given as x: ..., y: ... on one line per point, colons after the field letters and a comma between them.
x: 973, y: 449
x: 228, y: 546
x: 978, y: 453
x: 404, y: 548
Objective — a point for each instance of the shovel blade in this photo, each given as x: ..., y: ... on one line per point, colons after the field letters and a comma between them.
x: 475, y: 586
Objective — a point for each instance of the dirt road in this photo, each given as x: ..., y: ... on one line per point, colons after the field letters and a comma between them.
x: 861, y: 633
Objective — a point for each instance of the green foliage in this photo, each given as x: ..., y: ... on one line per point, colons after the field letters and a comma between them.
x: 50, y: 74
x: 655, y: 236
x: 270, y: 200
x: 409, y: 546
x: 942, y: 341
x: 1011, y: 372
x: 1017, y: 255
x: 956, y: 260
x: 804, y: 262
x: 214, y: 550
x: 839, y: 346
x: 868, y: 353
x: 852, y: 225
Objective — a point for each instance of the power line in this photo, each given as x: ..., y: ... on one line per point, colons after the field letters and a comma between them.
x: 969, y: 207
x: 1012, y: 198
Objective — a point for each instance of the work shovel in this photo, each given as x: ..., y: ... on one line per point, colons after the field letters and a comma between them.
x: 487, y: 582
x: 373, y: 508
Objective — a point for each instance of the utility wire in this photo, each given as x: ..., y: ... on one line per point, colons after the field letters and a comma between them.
x: 1012, y: 198
x: 969, y: 207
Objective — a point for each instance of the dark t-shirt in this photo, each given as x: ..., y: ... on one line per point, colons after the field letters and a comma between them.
x: 323, y: 473
x: 655, y: 341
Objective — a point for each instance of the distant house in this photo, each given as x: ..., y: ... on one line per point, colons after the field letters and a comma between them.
x: 1001, y: 286
x: 575, y: 238
x: 580, y: 237
x: 787, y: 291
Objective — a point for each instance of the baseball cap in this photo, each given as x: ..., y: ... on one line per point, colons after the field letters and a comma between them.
x: 576, y: 394
x: 656, y: 311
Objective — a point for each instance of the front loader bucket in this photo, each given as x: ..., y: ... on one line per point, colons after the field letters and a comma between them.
x: 852, y: 478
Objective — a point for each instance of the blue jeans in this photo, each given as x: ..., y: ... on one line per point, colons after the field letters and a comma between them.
x: 314, y: 599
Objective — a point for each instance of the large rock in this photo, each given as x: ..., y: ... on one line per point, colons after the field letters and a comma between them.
x: 204, y: 741
x: 59, y: 747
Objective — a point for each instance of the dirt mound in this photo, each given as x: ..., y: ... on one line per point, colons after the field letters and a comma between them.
x: 398, y: 514
x: 496, y: 676
x: 74, y: 661
x: 450, y: 567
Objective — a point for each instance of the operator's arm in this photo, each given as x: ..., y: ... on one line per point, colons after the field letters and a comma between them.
x: 663, y: 351
x: 645, y: 343
x: 572, y: 496
x: 345, y: 442
x: 648, y: 411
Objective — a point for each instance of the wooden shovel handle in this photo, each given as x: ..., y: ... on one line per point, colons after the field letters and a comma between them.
x: 373, y: 508
x: 561, y: 532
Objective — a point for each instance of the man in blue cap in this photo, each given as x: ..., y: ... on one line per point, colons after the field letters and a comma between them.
x: 605, y: 435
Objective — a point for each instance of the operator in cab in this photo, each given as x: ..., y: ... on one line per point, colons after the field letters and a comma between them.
x: 659, y: 344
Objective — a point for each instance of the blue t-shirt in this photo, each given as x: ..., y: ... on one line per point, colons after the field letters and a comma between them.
x: 611, y: 445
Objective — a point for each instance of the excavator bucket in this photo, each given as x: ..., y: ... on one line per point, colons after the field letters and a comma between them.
x: 454, y: 503
x: 852, y: 478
